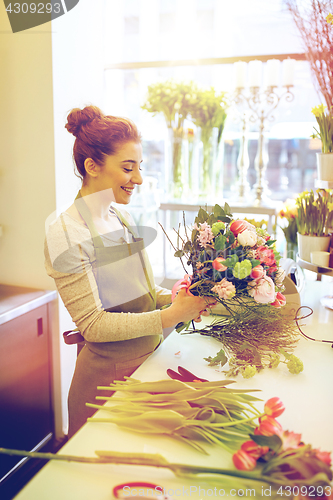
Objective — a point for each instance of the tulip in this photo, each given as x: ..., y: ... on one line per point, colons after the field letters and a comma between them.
x: 217, y: 264
x: 280, y: 301
x: 254, y: 450
x: 238, y: 226
x: 274, y: 407
x: 184, y: 283
x: 243, y: 461
x: 257, y: 272
x: 269, y: 426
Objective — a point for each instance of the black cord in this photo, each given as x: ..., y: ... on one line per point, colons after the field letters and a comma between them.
x: 306, y: 316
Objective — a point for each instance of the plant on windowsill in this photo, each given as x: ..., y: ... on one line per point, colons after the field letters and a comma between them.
x: 325, y: 134
x: 314, y: 222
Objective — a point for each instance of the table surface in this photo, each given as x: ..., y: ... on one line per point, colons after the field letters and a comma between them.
x: 307, y: 397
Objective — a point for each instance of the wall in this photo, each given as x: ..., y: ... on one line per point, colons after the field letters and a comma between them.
x: 44, y: 72
x: 78, y: 80
x: 27, y: 180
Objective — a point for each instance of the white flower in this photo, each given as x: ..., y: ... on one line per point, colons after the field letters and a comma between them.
x: 247, y: 238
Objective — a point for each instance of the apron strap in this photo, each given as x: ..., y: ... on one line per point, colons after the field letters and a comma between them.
x: 125, y: 223
x: 97, y: 239
x: 86, y: 216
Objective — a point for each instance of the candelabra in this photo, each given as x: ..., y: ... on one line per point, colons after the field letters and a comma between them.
x: 259, y: 105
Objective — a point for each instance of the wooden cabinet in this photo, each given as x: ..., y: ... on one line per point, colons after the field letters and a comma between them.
x: 26, y: 409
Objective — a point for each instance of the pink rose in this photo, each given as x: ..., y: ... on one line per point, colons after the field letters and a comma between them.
x: 262, y: 290
x: 257, y: 272
x: 217, y: 264
x: 279, y: 301
x: 238, y: 226
x: 265, y: 255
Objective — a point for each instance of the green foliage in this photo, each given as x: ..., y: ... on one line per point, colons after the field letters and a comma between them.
x: 314, y: 212
x: 220, y: 359
x: 325, y: 132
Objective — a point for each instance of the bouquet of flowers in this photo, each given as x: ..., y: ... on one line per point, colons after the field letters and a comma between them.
x: 236, y: 263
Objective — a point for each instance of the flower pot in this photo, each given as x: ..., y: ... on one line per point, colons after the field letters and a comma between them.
x: 308, y: 244
x: 325, y: 166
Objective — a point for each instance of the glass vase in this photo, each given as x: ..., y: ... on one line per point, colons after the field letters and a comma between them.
x: 291, y: 250
x: 210, y: 165
x: 175, y: 163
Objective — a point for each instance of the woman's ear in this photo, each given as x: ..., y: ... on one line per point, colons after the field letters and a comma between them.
x: 91, y: 167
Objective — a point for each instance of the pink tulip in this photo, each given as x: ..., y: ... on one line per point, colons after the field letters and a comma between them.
x: 257, y: 272
x: 279, y: 301
x: 243, y: 461
x: 254, y: 450
x: 274, y: 407
x: 217, y: 264
x: 184, y: 283
x: 238, y: 226
x: 269, y: 426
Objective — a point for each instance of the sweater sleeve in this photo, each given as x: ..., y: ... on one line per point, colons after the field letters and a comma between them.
x: 69, y: 255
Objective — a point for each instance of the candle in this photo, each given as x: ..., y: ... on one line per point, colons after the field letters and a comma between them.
x: 272, y: 73
x: 255, y: 73
x: 288, y: 70
x: 240, y: 74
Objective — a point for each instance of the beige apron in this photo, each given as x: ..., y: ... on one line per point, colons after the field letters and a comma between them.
x: 124, y: 276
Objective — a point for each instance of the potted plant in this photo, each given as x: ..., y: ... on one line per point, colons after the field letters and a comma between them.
x: 314, y: 221
x: 325, y: 134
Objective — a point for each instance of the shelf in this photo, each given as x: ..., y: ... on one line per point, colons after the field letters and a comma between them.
x: 323, y: 184
x: 328, y: 271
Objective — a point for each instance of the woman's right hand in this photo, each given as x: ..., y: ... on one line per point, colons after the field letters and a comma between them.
x: 185, y: 308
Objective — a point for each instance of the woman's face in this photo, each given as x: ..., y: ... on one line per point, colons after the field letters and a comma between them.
x: 121, y: 172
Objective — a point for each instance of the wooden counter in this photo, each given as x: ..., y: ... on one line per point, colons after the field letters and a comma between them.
x: 26, y: 379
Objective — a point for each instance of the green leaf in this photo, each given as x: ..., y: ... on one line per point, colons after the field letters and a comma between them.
x: 255, y: 262
x: 220, y: 241
x: 182, y: 326
x: 231, y: 260
x: 202, y: 216
x: 179, y: 253
x: 273, y: 442
x: 270, y: 242
x: 220, y: 358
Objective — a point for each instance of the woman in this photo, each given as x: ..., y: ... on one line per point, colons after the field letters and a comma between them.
x: 100, y: 266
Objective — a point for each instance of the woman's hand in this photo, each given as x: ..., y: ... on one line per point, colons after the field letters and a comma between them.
x: 185, y: 308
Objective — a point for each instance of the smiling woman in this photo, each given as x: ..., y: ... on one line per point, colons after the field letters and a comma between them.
x: 100, y: 266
